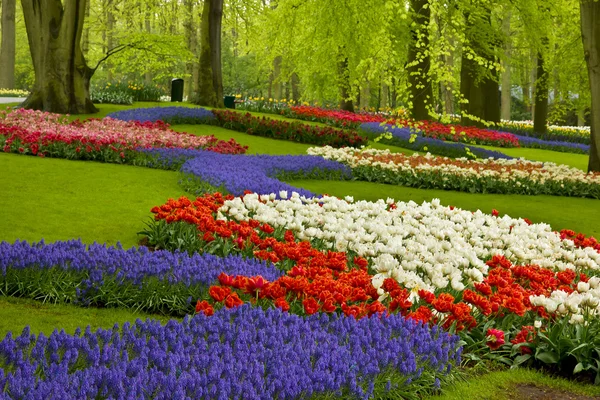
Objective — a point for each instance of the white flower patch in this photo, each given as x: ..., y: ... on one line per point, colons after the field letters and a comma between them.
x: 579, y: 305
x: 421, y: 246
x: 515, y: 171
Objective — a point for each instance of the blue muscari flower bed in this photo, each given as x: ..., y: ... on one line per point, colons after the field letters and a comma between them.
x: 102, y: 275
x: 243, y: 353
x: 566, y: 147
x: 257, y: 173
x: 402, y: 138
x: 170, y: 115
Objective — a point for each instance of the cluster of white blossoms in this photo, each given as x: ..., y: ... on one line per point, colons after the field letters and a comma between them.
x: 424, y: 246
x: 579, y: 305
x: 518, y: 171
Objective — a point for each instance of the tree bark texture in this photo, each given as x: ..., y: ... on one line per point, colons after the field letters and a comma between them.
x: 418, y: 66
x: 590, y: 33
x: 540, y: 117
x: 344, y: 86
x: 7, y: 47
x: 210, y: 78
x: 62, y: 77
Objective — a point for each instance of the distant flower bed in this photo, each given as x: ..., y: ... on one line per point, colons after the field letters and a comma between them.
x: 169, y: 115
x: 293, y: 131
x: 13, y: 93
x: 246, y: 123
x: 237, y: 174
x: 339, y: 118
x: 573, y: 134
x: 480, y: 176
x: 122, y: 91
x: 108, y: 140
x: 244, y: 353
x: 409, y: 139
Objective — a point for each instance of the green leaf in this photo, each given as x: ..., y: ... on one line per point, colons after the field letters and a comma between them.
x: 547, y: 357
x: 578, y: 368
x: 521, y: 359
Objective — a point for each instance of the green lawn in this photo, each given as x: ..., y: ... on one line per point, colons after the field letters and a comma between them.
x: 17, y: 313
x: 579, y: 161
x: 56, y: 199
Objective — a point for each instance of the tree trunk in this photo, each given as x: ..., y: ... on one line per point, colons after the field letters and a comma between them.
x: 365, y: 95
x: 295, y: 82
x: 471, y: 90
x: 62, y: 77
x: 344, y: 86
x: 540, y: 117
x: 148, y: 78
x: 590, y: 33
x: 478, y: 84
x: 506, y: 83
x: 491, y: 94
x: 110, y: 43
x: 277, y: 86
x: 385, y: 93
x: 7, y: 47
x: 421, y: 92
x: 210, y: 78
x: 190, y: 37
x: 533, y: 86
x: 85, y: 41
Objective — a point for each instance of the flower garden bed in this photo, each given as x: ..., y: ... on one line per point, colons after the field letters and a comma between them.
x: 246, y: 123
x: 558, y: 139
x: 474, y: 176
x: 297, y: 296
x: 107, y: 140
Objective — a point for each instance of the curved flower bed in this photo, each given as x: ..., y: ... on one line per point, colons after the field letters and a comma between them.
x: 159, y: 281
x: 418, y: 239
x: 242, y: 353
x: 169, y: 115
x: 45, y: 134
x: 573, y: 134
x: 237, y: 174
x: 405, y: 137
x: 293, y: 131
x: 246, y: 123
x: 481, y: 176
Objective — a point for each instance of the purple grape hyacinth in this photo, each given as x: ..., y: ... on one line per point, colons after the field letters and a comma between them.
x: 245, y: 352
x: 170, y: 115
x: 257, y: 173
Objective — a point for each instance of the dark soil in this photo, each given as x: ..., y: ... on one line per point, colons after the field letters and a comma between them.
x: 534, y: 392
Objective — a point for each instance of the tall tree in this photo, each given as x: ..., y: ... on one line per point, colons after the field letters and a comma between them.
x: 479, y: 73
x: 210, y: 78
x: 62, y: 76
x: 7, y: 47
x: 590, y: 33
x: 421, y: 92
x: 540, y: 116
x: 506, y: 82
